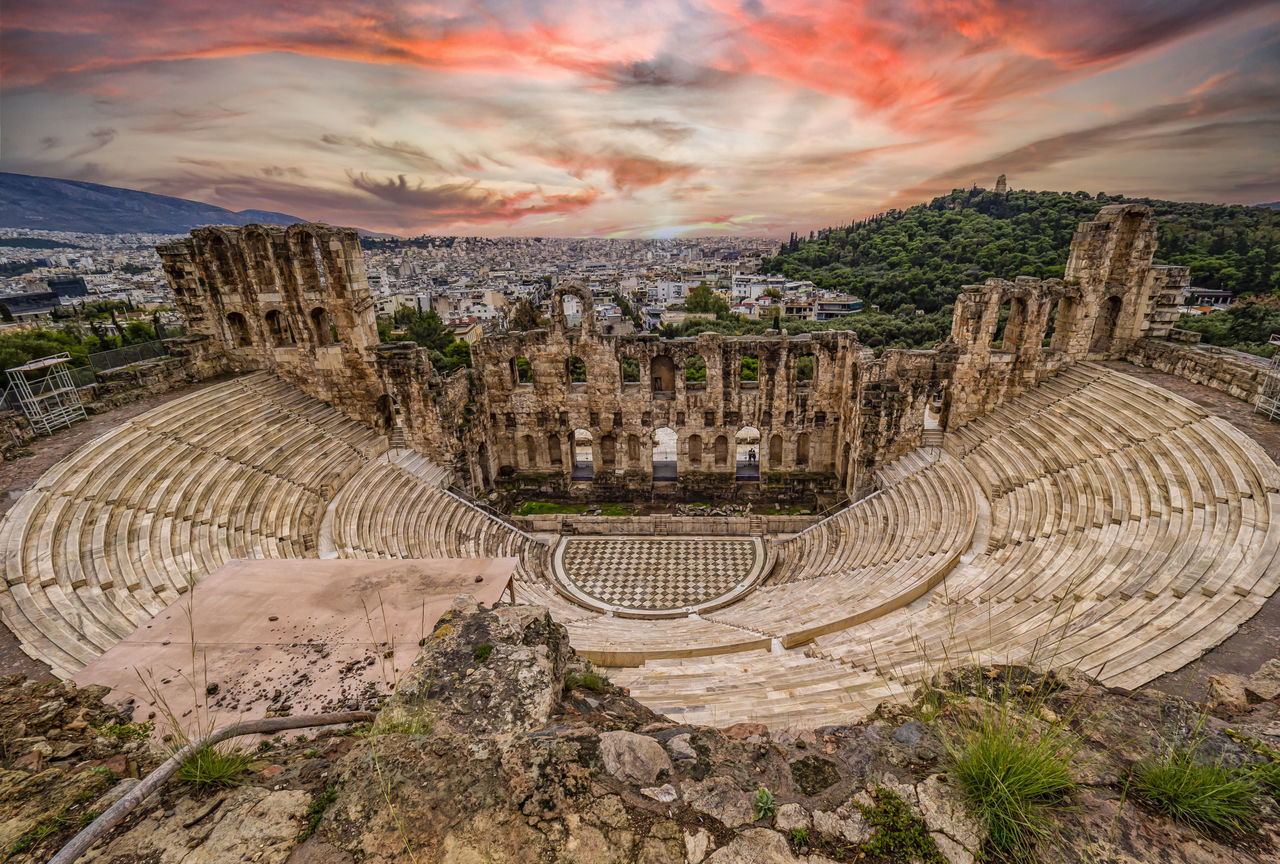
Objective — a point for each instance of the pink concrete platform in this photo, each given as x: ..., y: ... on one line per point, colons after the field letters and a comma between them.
x: 259, y: 637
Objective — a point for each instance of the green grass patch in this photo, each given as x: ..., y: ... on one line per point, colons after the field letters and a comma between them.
x: 213, y: 767
x: 129, y: 731
x: 1207, y: 796
x: 1014, y: 778
x: 548, y: 508
x: 482, y: 652
x: 587, y: 679
x: 899, y: 836
x: 315, y: 812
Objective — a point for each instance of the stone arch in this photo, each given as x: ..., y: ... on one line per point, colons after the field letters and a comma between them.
x: 662, y: 375
x: 633, y: 450
x: 775, y: 452
x: 585, y: 299
x: 695, y: 372
x: 583, y: 456
x: 220, y: 257
x: 554, y: 452
x: 315, y: 271
x: 665, y: 448
x: 806, y: 368
x: 529, y: 450
x: 259, y: 259
x: 239, y: 330
x: 608, y: 450
x: 1104, y: 326
x: 749, y: 370
x: 802, y: 450
x: 1016, y: 325
x: 694, y: 446
x: 322, y: 326
x: 279, y: 328
x: 747, y: 453
x: 575, y: 370
x: 721, y: 451
x: 521, y: 371
x: 629, y: 368
x: 1065, y: 319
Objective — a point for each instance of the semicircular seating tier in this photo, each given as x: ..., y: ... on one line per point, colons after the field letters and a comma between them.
x: 1095, y: 520
x: 1129, y: 531
x: 248, y: 468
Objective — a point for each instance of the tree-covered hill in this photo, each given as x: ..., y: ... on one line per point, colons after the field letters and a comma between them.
x: 920, y: 257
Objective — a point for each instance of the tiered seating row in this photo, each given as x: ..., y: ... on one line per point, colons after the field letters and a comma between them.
x: 1130, y: 533
x: 118, y: 530
x: 930, y: 511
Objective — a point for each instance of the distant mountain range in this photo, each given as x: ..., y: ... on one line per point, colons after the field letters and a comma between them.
x: 73, y: 205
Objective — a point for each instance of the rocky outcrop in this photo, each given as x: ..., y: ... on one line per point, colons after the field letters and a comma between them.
x: 484, y: 756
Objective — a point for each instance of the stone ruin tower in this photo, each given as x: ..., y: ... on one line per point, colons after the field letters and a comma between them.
x: 1011, y: 335
x: 294, y: 301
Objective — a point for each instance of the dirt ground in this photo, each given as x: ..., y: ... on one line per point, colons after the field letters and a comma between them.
x: 1256, y: 641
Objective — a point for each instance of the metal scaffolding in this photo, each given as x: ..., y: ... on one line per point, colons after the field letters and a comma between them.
x: 45, y: 390
x: 1269, y: 393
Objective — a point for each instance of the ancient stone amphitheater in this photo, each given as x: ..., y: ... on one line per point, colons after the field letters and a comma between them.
x: 1054, y: 510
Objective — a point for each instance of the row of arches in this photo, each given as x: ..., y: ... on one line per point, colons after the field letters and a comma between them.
x: 254, y: 260
x: 662, y: 371
x: 1013, y: 325
x: 713, y: 453
x: 280, y: 331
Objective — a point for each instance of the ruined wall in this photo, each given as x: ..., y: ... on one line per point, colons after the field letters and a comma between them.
x: 294, y: 301
x: 540, y: 387
x: 1232, y: 372
x: 1011, y: 335
x: 827, y: 412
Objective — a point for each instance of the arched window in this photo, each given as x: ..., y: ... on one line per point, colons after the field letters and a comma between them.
x: 482, y: 458
x: 1104, y: 328
x: 278, y: 328
x: 258, y: 254
x: 663, y: 374
x: 239, y: 329
x: 521, y: 371
x: 322, y: 327
x: 775, y: 452
x: 1066, y: 317
x: 806, y: 365
x: 630, y: 370
x: 1014, y: 327
x: 583, y: 459
x: 633, y: 450
x: 1002, y: 321
x: 802, y: 450
x: 722, y: 451
x: 695, y: 373
x: 695, y: 451
x: 553, y: 449
x: 576, y: 370
x: 224, y: 267
x: 749, y: 369
x: 322, y: 273
x: 530, y: 451
x: 608, y: 450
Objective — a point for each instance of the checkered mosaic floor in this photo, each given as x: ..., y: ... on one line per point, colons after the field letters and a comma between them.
x: 656, y: 575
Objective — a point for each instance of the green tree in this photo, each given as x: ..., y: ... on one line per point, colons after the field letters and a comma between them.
x: 703, y: 299
x: 524, y: 316
x: 459, y: 354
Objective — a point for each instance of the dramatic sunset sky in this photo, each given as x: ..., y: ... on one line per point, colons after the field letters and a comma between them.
x: 587, y: 117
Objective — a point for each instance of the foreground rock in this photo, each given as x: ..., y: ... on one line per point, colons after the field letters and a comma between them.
x: 485, y: 756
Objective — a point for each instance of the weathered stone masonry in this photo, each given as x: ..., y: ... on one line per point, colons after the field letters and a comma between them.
x: 295, y: 301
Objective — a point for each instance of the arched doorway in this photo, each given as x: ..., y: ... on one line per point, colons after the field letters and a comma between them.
x: 482, y: 458
x: 583, y: 461
x: 239, y: 330
x: 747, y: 454
x: 664, y: 455
x: 1104, y: 328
